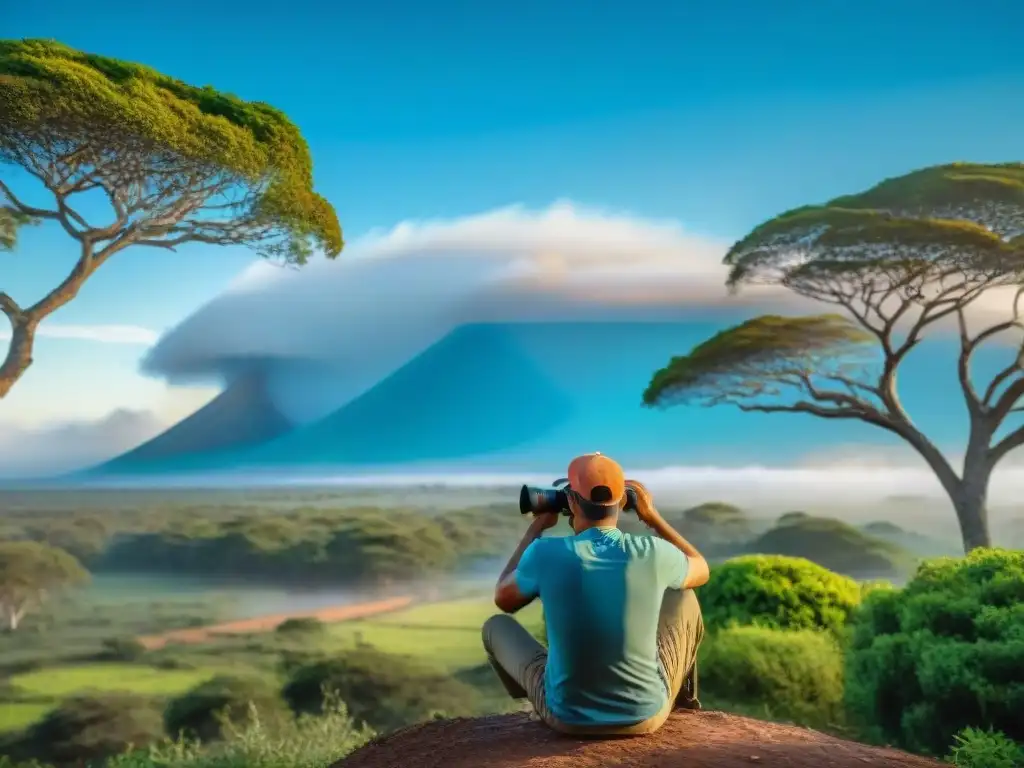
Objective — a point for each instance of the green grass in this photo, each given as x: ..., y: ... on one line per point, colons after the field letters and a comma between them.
x: 446, y: 635
x: 59, y: 682
x: 15, y: 716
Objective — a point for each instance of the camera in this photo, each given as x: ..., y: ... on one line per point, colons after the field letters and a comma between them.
x: 541, y: 500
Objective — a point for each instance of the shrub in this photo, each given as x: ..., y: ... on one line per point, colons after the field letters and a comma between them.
x: 92, y: 727
x: 383, y: 690
x: 777, y: 592
x: 942, y: 654
x: 834, y: 545
x: 794, y: 675
x: 300, y: 625
x: 200, y: 713
x: 122, y: 649
x: 975, y: 748
x: 309, y: 742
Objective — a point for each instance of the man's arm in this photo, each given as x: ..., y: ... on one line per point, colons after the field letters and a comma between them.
x: 698, y: 572
x: 515, y: 590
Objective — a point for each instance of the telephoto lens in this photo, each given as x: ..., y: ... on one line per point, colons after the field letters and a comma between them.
x: 541, y: 500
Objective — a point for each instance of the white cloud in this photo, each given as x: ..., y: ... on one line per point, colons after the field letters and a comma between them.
x: 102, y: 334
x: 392, y: 294
x: 330, y: 331
x: 67, y: 446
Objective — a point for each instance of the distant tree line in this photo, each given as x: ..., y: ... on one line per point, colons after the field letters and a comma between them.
x: 378, y: 547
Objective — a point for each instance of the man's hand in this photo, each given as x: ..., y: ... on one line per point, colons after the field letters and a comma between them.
x: 645, y: 509
x: 541, y: 522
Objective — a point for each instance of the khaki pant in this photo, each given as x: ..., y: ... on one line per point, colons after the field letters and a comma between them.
x: 520, y: 660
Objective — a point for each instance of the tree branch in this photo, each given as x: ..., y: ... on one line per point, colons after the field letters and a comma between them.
x: 1013, y: 440
x: 9, y: 307
x: 1013, y: 393
x: 28, y: 210
x: 963, y: 366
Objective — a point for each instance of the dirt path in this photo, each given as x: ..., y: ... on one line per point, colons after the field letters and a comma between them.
x: 687, y: 740
x: 267, y: 623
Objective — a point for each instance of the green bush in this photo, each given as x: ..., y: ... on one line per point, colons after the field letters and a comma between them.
x: 777, y: 592
x: 791, y: 675
x: 942, y: 654
x: 835, y: 545
x: 121, y: 649
x: 92, y: 727
x: 309, y: 742
x: 975, y: 748
x: 300, y: 625
x: 383, y: 690
x: 200, y: 713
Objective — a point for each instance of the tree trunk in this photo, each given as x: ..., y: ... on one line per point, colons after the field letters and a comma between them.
x: 970, y: 502
x: 969, y: 491
x: 19, y: 353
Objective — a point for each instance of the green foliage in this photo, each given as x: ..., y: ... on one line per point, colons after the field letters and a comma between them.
x: 791, y: 517
x: 307, y: 742
x: 30, y: 571
x: 98, y: 107
x: 716, y: 527
x: 793, y: 675
x: 942, y: 654
x: 918, y: 544
x: 201, y: 713
x: 302, y: 625
x: 10, y: 222
x: 975, y: 748
x: 383, y: 690
x: 932, y: 219
x: 943, y: 187
x: 122, y: 649
x: 835, y: 545
x: 91, y: 728
x: 736, y: 362
x: 360, y: 546
x: 778, y: 592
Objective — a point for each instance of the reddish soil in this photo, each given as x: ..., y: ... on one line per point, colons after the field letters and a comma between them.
x: 268, y: 623
x: 687, y: 740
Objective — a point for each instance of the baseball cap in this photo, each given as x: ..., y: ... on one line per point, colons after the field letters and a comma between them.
x: 597, y: 479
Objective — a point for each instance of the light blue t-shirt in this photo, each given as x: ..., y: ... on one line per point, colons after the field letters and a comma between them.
x: 602, y: 592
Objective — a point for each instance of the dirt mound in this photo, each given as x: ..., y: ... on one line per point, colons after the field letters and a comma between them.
x: 269, y: 623
x: 687, y: 740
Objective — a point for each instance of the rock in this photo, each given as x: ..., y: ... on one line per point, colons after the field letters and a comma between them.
x: 687, y: 740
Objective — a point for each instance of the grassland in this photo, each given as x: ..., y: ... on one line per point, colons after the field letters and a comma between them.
x: 443, y: 635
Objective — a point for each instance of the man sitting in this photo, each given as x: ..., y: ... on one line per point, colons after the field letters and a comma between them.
x: 623, y: 623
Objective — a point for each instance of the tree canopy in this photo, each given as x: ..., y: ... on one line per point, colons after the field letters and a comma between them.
x: 759, y: 357
x: 893, y: 261
x: 29, y: 572
x: 177, y: 164
x: 161, y: 150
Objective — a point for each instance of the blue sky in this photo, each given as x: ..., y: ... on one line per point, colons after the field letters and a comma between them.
x: 715, y: 114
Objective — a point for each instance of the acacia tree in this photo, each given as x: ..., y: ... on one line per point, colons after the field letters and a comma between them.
x: 896, y: 260
x: 176, y: 164
x: 29, y: 573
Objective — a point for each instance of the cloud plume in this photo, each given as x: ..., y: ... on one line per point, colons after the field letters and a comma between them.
x: 326, y: 333
x: 393, y: 293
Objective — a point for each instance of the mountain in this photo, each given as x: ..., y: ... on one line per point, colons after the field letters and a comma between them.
x: 477, y: 390
x: 486, y: 396
x: 242, y: 415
